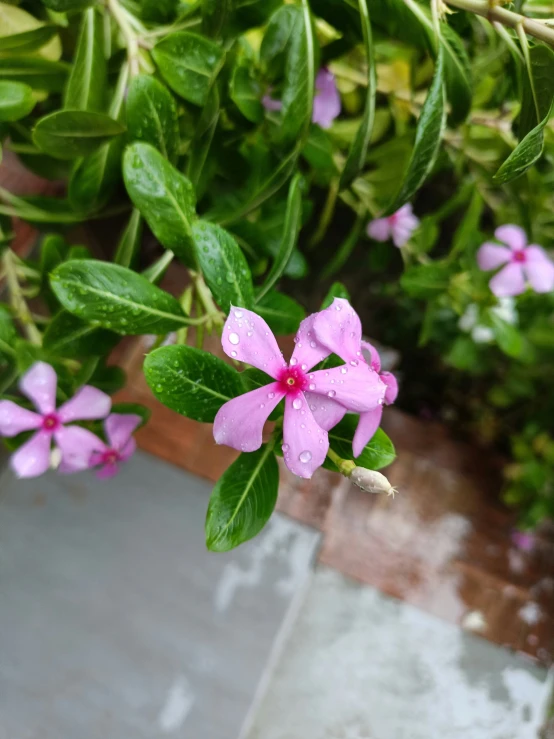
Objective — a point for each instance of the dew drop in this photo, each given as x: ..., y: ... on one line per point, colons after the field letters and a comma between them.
x: 313, y: 344
x: 343, y: 371
x: 297, y: 404
x: 271, y: 395
x: 313, y: 407
x: 304, y: 367
x: 234, y: 339
x: 293, y: 361
x: 305, y: 457
x: 331, y: 393
x: 338, y: 306
x: 233, y: 354
x: 302, y: 425
x: 250, y: 333
x: 285, y: 447
x: 354, y: 363
x: 238, y: 314
x: 262, y: 405
x: 312, y: 385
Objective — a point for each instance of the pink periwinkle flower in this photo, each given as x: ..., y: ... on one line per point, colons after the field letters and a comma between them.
x: 39, y: 385
x: 521, y: 263
x: 327, y: 105
x: 399, y: 226
x: 523, y: 540
x: 338, y: 328
x: 271, y: 104
x: 314, y: 401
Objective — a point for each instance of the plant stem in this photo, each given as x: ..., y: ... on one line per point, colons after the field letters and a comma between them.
x: 17, y: 301
x: 346, y: 248
x: 344, y: 466
x: 131, y: 40
x: 327, y: 213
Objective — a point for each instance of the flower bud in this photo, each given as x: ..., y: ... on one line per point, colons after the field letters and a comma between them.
x: 371, y: 481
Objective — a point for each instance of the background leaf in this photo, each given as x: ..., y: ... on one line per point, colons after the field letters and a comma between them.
x: 426, y: 280
x: 69, y: 336
x: 457, y: 74
x: 70, y: 134
x: 282, y: 314
x: 128, y: 248
x: 15, y: 22
x: 379, y: 452
x: 203, y: 135
x: 26, y: 41
x: 86, y: 86
x: 40, y: 74
x: 538, y: 89
x: 526, y: 153
x: 152, y: 115
x: 16, y: 100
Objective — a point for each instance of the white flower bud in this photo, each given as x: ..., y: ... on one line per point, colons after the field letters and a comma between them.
x: 371, y: 481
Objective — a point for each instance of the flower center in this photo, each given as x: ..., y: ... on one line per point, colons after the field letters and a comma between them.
x: 50, y: 422
x: 519, y: 256
x: 110, y: 456
x: 292, y: 380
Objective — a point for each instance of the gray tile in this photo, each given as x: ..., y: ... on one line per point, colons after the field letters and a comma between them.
x: 360, y: 665
x: 116, y: 623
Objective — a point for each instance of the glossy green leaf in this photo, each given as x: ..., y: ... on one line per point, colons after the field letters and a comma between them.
x: 246, y: 93
x: 164, y: 196
x: 8, y: 334
x: 115, y: 298
x: 86, y: 87
x: 203, y: 135
x: 40, y: 74
x: 293, y: 223
x: 27, y: 41
x: 508, y: 338
x: 191, y: 381
x: 526, y: 153
x: 21, y: 33
x: 282, y: 314
x: 358, y: 151
x: 128, y: 247
x: 189, y: 63
x: 426, y: 280
x: 69, y: 336
x: 16, y: 100
x: 53, y: 251
x: 152, y: 115
x: 428, y: 139
x: 74, y: 133
x: 379, y: 452
x: 319, y: 150
x: 223, y: 265
x: 538, y: 89
x: 337, y: 290
x: 242, y: 500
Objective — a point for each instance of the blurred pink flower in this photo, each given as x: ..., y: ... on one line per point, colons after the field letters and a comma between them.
x: 521, y: 263
x: 327, y: 103
x: 270, y: 103
x: 39, y: 385
x: 398, y: 227
x: 311, y: 398
x: 523, y: 540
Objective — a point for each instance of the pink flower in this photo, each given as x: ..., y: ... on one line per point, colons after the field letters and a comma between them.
x: 338, y: 327
x: 327, y: 103
x: 523, y: 540
x: 523, y: 263
x: 398, y: 227
x: 270, y: 103
x: 39, y: 385
x: 314, y: 401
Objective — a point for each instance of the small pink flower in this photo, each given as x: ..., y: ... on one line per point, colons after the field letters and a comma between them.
x: 340, y: 330
x: 523, y: 540
x: 327, y: 103
x: 39, y: 385
x: 270, y: 103
x: 311, y: 398
x: 522, y: 263
x: 398, y: 227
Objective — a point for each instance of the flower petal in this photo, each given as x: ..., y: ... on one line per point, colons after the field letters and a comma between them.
x: 271, y: 104
x: 87, y: 404
x: 403, y: 224
x: 14, y: 419
x: 509, y: 281
x: 119, y: 428
x: 33, y: 458
x: 327, y: 103
x: 77, y: 446
x: 305, y: 443
x: 379, y: 229
x: 374, y: 358
x: 514, y: 236
x: 391, y: 382
x: 340, y: 330
x: 327, y: 412
x: 490, y: 256
x: 539, y: 269
x: 401, y: 233
x: 107, y: 471
x: 358, y: 388
x: 128, y: 450
x: 308, y: 350
x: 248, y: 338
x: 39, y: 385
x: 366, y: 428
x: 240, y: 422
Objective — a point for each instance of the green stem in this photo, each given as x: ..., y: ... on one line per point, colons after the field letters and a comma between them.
x: 17, y: 301
x: 346, y: 247
x: 344, y: 466
x: 327, y: 213
x: 120, y: 16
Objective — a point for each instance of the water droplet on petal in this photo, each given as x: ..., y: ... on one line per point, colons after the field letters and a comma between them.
x: 250, y: 333
x: 313, y: 407
x: 331, y: 393
x: 305, y: 457
x: 302, y: 425
x: 234, y: 339
x: 271, y: 395
x: 343, y: 371
x: 313, y: 344
x: 262, y: 405
x: 285, y: 447
x: 297, y: 404
x: 293, y: 361
x: 238, y: 314
x: 354, y: 363
x: 312, y: 385
x: 338, y: 306
x: 304, y: 367
x: 233, y: 354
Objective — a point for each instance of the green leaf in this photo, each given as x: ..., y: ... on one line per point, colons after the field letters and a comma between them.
x: 8, y: 334
x: 526, y: 153
x: 464, y: 354
x: 191, y: 381
x: 283, y: 314
x: 67, y: 134
x: 86, y: 86
x: 508, y: 338
x: 128, y: 248
x: 216, y: 15
x: 203, y: 135
x: 27, y: 41
x: 16, y: 100
x: 109, y: 379
x: 337, y: 290
x: 379, y: 452
x: 457, y: 75
x: 319, y: 150
x: 164, y: 196
x: 115, y: 298
x: 246, y: 93
x: 189, y: 64
x: 158, y: 11
x: 40, y: 74
x: 21, y: 33
x: 152, y: 115
x: 69, y: 336
x: 538, y: 89
x: 426, y: 280
x: 64, y: 6
x: 293, y: 223
x: 223, y: 265
x: 242, y: 500
x: 358, y: 152
x: 428, y: 138
x: 53, y: 251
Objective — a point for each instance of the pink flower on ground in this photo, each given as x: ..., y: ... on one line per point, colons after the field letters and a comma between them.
x: 327, y: 103
x: 338, y: 327
x: 523, y: 540
x: 523, y: 263
x: 398, y: 227
x: 39, y: 385
x: 312, y: 399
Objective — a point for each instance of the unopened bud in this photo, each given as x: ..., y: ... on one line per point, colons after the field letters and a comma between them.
x: 371, y: 481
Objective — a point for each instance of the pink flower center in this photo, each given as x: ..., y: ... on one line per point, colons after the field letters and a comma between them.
x: 110, y: 456
x: 519, y: 256
x: 50, y: 422
x: 292, y: 380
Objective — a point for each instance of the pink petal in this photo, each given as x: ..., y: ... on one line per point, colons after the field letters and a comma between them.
x: 107, y: 471
x: 271, y: 104
x: 358, y: 388
x: 514, y: 236
x: 379, y: 229
x: 33, y: 458
x: 247, y: 338
x: 391, y: 382
x: 120, y: 427
x: 308, y: 350
x: 490, y: 256
x: 539, y: 269
x: 305, y: 443
x: 39, y: 385
x: 77, y: 446
x: 128, y: 450
x: 401, y: 234
x: 327, y: 103
x: 509, y: 281
x: 87, y: 404
x: 327, y: 412
x: 374, y: 358
x: 240, y: 422
x: 339, y: 329
x: 403, y: 224
x: 14, y: 419
x: 367, y: 426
